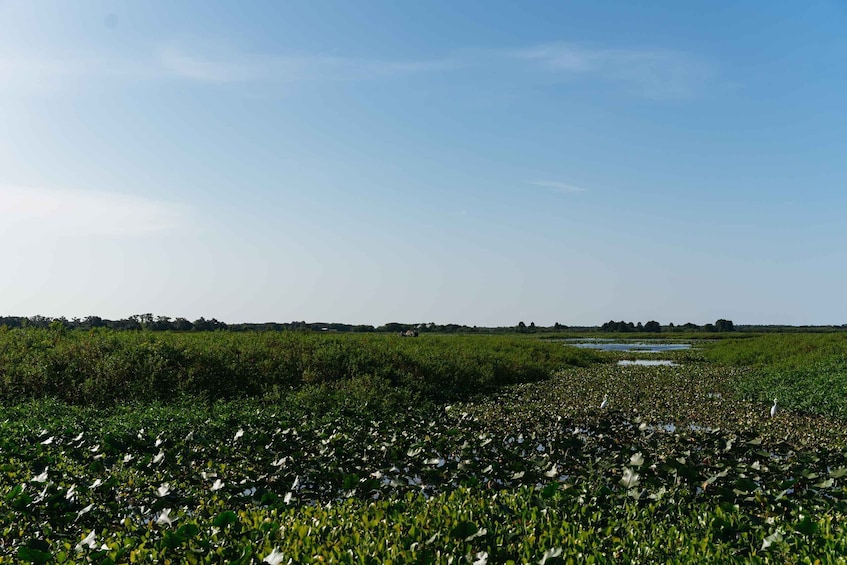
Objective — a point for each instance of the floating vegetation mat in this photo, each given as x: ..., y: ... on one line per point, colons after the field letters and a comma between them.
x: 673, y: 468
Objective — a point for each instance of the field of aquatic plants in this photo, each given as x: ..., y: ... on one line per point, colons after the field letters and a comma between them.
x: 678, y: 466
x: 805, y: 371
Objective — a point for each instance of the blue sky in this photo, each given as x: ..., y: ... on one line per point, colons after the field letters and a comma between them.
x: 467, y: 162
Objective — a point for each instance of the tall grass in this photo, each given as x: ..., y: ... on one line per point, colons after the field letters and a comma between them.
x: 108, y: 367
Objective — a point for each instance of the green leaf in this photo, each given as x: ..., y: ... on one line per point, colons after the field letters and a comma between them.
x: 188, y: 531
x: 225, y: 519
x: 806, y: 526
x: 16, y: 490
x: 549, y: 490
x: 746, y: 485
x: 36, y: 551
x: 172, y: 540
x: 464, y: 530
x: 350, y: 481
x: 838, y: 473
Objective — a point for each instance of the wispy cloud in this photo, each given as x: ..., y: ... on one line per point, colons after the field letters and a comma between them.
x: 84, y: 212
x: 243, y: 67
x: 558, y: 187
x: 654, y: 73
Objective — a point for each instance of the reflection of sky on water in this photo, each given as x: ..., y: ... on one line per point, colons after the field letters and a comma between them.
x: 637, y: 347
x: 648, y: 362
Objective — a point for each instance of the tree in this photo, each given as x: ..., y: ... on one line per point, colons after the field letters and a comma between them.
x: 521, y: 327
x: 724, y: 326
x: 161, y: 323
x: 182, y: 325
x: 93, y: 322
x: 653, y: 326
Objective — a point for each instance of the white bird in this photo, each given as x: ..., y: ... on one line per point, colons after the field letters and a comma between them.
x: 605, y: 400
x: 773, y: 408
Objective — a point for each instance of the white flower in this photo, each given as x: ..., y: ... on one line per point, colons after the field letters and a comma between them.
x: 128, y: 457
x: 218, y: 485
x: 89, y: 541
x: 481, y: 558
x: 40, y: 478
x: 771, y: 539
x: 158, y: 458
x: 95, y: 484
x: 239, y: 433
x: 85, y: 510
x: 77, y: 438
x: 48, y: 441
x: 41, y: 495
x: 275, y: 557
x: 165, y: 517
x: 555, y: 552
x: 630, y: 478
x: 163, y: 490
x: 71, y: 493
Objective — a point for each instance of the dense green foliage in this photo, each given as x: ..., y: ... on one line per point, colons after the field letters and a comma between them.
x: 807, y: 372
x: 104, y: 367
x: 536, y: 469
x: 352, y: 467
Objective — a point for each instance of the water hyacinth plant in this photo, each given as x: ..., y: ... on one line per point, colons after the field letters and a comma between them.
x: 679, y: 465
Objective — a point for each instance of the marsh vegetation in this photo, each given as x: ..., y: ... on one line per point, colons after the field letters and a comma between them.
x: 225, y: 448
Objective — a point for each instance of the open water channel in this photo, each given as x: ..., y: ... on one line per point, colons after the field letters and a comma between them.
x: 633, y: 347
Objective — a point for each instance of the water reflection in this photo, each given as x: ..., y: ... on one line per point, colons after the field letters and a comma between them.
x: 639, y: 347
x: 648, y: 362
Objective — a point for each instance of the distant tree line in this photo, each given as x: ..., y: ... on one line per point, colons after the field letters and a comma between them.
x: 613, y: 326
x: 136, y: 322
x: 655, y: 327
x: 166, y: 323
